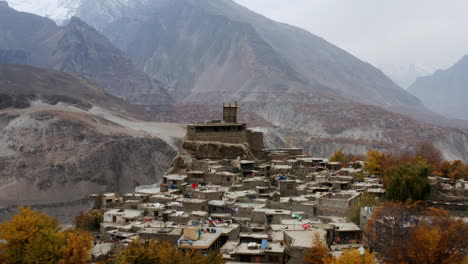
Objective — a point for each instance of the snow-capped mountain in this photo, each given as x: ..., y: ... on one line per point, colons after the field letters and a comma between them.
x: 57, y: 10
x: 405, y: 75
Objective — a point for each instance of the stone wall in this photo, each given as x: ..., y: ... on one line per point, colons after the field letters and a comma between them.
x: 216, y: 150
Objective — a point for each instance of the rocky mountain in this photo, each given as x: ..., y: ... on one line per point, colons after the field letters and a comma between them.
x: 76, y: 48
x: 62, y: 138
x: 207, y: 47
x: 210, y: 51
x: 290, y: 82
x: 446, y: 91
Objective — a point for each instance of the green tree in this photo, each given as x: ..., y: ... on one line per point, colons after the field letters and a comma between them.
x: 408, y: 182
x: 366, y: 199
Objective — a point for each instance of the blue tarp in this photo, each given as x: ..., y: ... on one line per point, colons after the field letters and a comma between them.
x: 264, y: 244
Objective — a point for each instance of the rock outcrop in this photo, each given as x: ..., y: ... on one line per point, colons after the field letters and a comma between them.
x: 216, y: 150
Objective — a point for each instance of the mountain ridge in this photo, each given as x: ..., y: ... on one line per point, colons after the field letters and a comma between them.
x: 80, y: 49
x: 445, y: 91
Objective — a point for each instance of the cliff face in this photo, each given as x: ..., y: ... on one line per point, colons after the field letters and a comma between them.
x: 57, y: 149
x: 75, y: 48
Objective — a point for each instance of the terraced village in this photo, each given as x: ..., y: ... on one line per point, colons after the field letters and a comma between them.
x: 225, y: 191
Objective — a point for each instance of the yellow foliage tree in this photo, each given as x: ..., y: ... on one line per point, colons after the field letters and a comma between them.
x: 374, y: 161
x: 339, y: 156
x: 355, y: 257
x: 77, y: 247
x: 31, y: 237
x: 318, y: 253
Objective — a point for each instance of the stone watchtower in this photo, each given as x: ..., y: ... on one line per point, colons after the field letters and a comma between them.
x: 226, y: 131
x: 230, y: 112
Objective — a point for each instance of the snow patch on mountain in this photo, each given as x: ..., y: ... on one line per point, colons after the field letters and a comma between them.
x: 405, y: 75
x: 57, y: 10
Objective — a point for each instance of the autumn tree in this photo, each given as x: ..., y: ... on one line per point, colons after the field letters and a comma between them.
x: 356, y: 159
x: 374, y: 161
x: 339, y: 156
x: 454, y: 170
x: 413, y: 233
x: 408, y: 181
x: 32, y: 237
x: 431, y: 154
x: 318, y: 253
x: 76, y: 249
x: 89, y: 221
x: 366, y: 199
x: 162, y: 252
x: 355, y: 257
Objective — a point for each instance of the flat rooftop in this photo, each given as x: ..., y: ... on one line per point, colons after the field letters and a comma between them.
x: 243, y: 249
x: 305, y: 238
x: 175, y: 177
x: 205, y: 241
x: 220, y: 124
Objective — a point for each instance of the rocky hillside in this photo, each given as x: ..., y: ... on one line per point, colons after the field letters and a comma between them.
x: 446, y: 91
x: 354, y: 128
x: 75, y: 48
x: 62, y: 138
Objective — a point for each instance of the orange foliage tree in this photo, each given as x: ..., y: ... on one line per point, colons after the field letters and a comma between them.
x: 454, y: 170
x: 412, y: 233
x: 162, y: 252
x: 318, y: 253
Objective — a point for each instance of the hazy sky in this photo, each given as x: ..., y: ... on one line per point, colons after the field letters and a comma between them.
x: 383, y: 32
